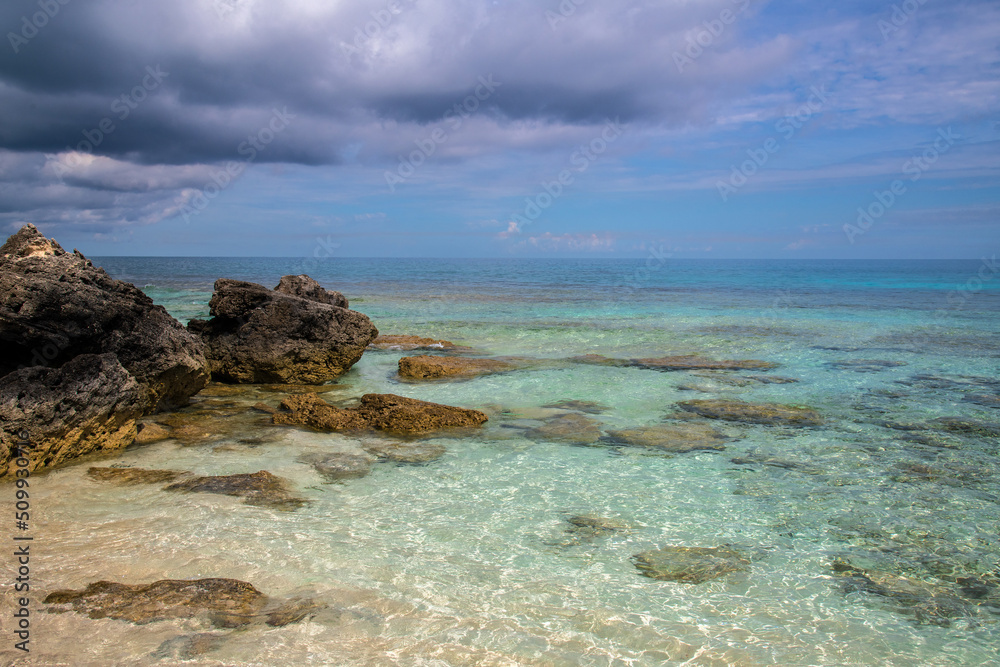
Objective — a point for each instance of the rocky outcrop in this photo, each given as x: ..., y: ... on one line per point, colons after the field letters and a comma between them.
x: 228, y: 603
x: 689, y: 565
x: 295, y: 334
x: 670, y: 438
x: 259, y: 488
x: 381, y: 412
x: 426, y: 367
x: 753, y: 413
x: 87, y: 406
x: 55, y: 306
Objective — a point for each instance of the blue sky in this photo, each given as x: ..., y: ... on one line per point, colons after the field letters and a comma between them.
x: 721, y: 128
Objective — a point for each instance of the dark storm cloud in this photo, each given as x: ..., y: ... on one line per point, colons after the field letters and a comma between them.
x: 229, y: 63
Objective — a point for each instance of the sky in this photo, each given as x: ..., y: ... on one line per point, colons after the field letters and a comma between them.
x: 504, y: 128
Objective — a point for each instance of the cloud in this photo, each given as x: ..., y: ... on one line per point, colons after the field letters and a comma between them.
x: 570, y: 242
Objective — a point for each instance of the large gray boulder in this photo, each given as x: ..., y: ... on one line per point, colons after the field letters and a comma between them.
x: 55, y: 306
x: 295, y: 334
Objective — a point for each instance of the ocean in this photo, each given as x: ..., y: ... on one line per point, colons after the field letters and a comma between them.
x: 469, y: 559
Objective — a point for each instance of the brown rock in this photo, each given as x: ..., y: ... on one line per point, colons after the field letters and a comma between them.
x: 311, y: 410
x: 590, y: 525
x: 689, y: 565
x: 133, y: 476
x: 753, y: 413
x: 673, y: 438
x: 339, y: 465
x: 259, y: 488
x: 151, y: 432
x: 388, y: 412
x: 382, y: 412
x: 228, y: 603
x: 432, y: 368
x: 305, y: 287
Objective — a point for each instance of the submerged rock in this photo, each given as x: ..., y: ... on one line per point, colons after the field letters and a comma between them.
x: 339, y: 465
x: 690, y: 565
x: 427, y: 367
x: 588, y: 407
x: 55, y: 306
x: 404, y: 452
x: 753, y: 413
x: 89, y: 405
x: 228, y: 603
x: 188, y: 647
x: 259, y: 488
x: 570, y: 428
x: 151, y: 432
x: 590, y: 525
x: 409, y: 343
x: 689, y: 362
x: 985, y: 400
x: 294, y: 334
x: 928, y: 603
x: 672, y: 438
x: 865, y: 365
x: 966, y: 426
x: 132, y: 476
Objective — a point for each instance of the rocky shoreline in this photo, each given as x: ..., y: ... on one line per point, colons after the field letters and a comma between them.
x: 92, y: 366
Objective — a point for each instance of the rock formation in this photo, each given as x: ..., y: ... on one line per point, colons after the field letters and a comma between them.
x: 426, y: 367
x: 753, y: 413
x: 381, y: 412
x: 298, y: 333
x: 55, y: 306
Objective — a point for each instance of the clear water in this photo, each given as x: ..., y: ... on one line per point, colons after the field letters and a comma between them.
x: 466, y: 560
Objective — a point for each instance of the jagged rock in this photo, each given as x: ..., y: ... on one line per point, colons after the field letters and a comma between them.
x: 405, y: 452
x: 426, y: 367
x: 672, y: 438
x: 151, y: 432
x: 588, y: 407
x: 307, y: 288
x: 753, y: 413
x: 292, y: 335
x: 408, y: 343
x: 228, y: 603
x: 259, y: 488
x: 55, y: 306
x: 131, y: 476
x: 689, y: 362
x: 89, y: 405
x: 689, y: 565
x: 339, y: 465
x: 569, y: 428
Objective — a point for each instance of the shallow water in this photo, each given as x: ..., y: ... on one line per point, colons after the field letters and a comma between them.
x: 467, y: 560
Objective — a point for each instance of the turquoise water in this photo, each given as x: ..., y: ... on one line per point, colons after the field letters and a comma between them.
x: 466, y: 560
